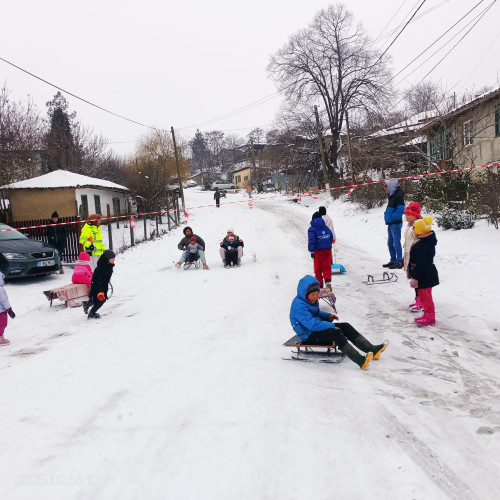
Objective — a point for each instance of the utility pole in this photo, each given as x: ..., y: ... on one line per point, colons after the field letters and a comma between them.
x: 322, y: 149
x: 349, y: 146
x: 181, y: 189
x: 253, y: 160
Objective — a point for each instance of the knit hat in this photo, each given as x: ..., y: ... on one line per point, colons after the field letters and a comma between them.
x: 192, y: 239
x: 313, y: 288
x: 84, y: 256
x: 423, y: 226
x: 185, y: 229
x: 316, y: 215
x: 322, y: 211
x: 109, y: 254
x: 413, y: 208
x: 230, y: 230
x: 54, y: 215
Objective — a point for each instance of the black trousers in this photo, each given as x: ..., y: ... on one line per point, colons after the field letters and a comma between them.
x: 340, y: 335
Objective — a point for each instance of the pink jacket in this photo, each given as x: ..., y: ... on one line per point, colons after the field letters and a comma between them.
x: 83, y: 271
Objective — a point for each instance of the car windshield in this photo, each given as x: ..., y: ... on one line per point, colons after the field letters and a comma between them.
x: 10, y: 235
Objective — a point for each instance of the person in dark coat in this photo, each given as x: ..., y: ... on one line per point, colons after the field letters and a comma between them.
x: 317, y: 327
x: 423, y: 272
x: 100, y: 283
x: 393, y: 217
x: 217, y: 197
x: 320, y: 240
x: 56, y: 236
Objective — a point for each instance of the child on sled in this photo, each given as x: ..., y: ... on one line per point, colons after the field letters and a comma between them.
x: 316, y: 327
x: 193, y: 251
x: 231, y: 250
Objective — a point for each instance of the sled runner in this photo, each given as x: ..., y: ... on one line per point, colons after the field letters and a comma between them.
x: 313, y: 353
x: 72, y: 295
x: 328, y: 297
x: 192, y: 260
x: 386, y: 278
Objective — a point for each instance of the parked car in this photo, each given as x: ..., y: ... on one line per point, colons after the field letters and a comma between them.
x: 222, y: 185
x: 21, y: 256
x: 190, y: 184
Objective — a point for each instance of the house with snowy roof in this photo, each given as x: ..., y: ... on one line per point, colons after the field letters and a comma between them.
x: 468, y: 135
x: 68, y: 193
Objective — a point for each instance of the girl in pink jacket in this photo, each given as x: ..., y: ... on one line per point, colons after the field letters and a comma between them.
x: 83, y: 271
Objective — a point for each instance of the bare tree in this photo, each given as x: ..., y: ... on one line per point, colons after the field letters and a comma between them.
x: 21, y: 130
x: 425, y: 96
x: 332, y: 61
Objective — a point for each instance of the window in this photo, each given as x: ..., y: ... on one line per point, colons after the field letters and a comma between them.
x: 245, y: 178
x: 497, y: 120
x: 439, y: 144
x: 468, y: 132
x: 97, y: 203
x: 84, y: 207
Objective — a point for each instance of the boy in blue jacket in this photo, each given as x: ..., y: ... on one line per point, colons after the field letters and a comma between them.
x: 320, y: 240
x: 393, y: 217
x: 316, y: 327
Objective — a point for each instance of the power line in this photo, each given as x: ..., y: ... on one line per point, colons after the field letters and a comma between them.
x: 74, y: 95
x: 435, y: 41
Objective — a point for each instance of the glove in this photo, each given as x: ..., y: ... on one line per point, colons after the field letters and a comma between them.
x: 312, y: 255
x: 333, y: 241
x: 414, y: 283
x: 91, y: 247
x: 183, y: 249
x: 101, y: 297
x: 221, y: 243
x: 11, y: 313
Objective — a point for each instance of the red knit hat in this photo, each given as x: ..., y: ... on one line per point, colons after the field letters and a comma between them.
x: 192, y: 239
x: 413, y: 208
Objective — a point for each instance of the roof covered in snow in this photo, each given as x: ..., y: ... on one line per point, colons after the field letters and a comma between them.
x: 64, y: 179
x: 411, y: 124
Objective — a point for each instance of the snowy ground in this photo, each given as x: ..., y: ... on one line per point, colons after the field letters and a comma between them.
x: 180, y: 390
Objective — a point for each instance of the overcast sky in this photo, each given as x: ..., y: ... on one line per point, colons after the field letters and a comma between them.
x: 183, y: 64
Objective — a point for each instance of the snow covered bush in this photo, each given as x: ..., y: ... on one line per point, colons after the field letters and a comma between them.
x: 449, y: 218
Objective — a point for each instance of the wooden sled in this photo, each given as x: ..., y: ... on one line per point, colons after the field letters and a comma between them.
x: 72, y: 295
x: 313, y: 353
x: 386, y: 278
x: 329, y: 297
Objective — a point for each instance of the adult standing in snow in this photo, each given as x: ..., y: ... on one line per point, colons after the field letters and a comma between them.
x: 56, y: 236
x: 320, y: 240
x: 91, y: 239
x: 412, y: 213
x: 317, y: 327
x: 5, y: 308
x: 231, y: 242
x: 423, y: 272
x: 393, y: 217
x: 217, y: 197
x: 100, y: 283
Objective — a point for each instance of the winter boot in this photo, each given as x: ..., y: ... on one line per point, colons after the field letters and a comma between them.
x: 205, y: 266
x: 359, y: 359
x: 389, y: 264
x: 178, y: 265
x: 428, y: 319
x: 363, y: 344
x: 93, y: 315
x: 417, y: 306
x: 328, y: 284
x: 86, y: 305
x: 4, y: 341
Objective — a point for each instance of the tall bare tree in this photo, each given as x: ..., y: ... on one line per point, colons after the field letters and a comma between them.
x: 332, y: 61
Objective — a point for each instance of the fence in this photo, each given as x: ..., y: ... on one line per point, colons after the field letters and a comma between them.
x: 118, y: 233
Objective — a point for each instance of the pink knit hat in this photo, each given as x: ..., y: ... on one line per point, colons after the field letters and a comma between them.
x: 84, y: 256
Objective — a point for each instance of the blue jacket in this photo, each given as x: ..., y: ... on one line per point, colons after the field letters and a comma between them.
x: 395, y: 203
x: 319, y: 235
x: 304, y: 316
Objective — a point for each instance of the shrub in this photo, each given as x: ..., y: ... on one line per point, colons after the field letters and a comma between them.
x: 449, y: 218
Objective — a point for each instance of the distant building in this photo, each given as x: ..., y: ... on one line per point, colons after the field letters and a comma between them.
x: 70, y: 194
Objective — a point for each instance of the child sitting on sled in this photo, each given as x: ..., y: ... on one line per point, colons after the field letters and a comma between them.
x: 316, y: 327
x: 193, y: 251
x: 231, y: 249
x: 82, y: 272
